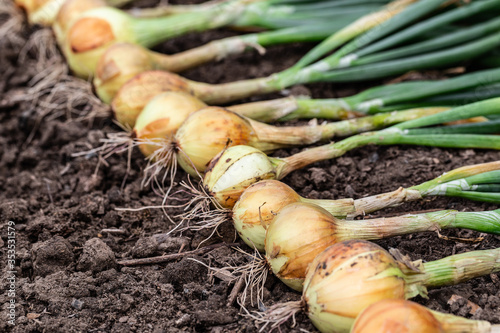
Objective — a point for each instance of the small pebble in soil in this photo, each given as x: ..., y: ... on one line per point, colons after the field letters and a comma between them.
x: 96, y: 257
x: 77, y: 304
x: 52, y: 255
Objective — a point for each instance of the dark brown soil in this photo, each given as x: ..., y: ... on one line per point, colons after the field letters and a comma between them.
x: 67, y: 275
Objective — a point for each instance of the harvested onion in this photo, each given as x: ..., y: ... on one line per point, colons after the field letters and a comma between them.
x: 349, y: 276
x: 259, y: 203
x: 300, y: 231
x: 207, y: 132
x: 405, y: 133
x: 161, y: 118
x: 401, y: 316
x: 45, y: 12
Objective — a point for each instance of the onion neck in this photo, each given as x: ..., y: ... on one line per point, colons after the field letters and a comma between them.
x: 339, y: 208
x: 391, y: 199
x: 266, y: 111
x: 394, y: 226
x: 223, y: 93
x: 215, y: 50
x: 329, y: 151
x: 456, y: 269
x: 455, y: 324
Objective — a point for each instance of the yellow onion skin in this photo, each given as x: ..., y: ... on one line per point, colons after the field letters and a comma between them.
x: 231, y: 171
x: 207, y: 132
x: 345, y: 279
x: 89, y: 36
x: 41, y: 12
x: 120, y: 63
x: 162, y: 117
x: 257, y: 207
x: 298, y: 233
x: 134, y: 95
x: 396, y: 316
x: 68, y: 13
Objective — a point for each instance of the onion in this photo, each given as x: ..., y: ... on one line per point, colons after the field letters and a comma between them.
x: 396, y: 316
x: 401, y: 316
x: 300, y: 231
x: 161, y: 118
x: 262, y: 201
x: 47, y: 12
x: 349, y: 276
x: 226, y: 180
x: 207, y: 132
x: 403, y: 133
x: 69, y: 12
x: 155, y: 82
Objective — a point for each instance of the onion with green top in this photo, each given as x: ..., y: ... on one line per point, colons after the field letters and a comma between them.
x: 404, y: 133
x: 348, y: 277
x: 262, y: 201
x: 300, y: 231
x: 402, y: 316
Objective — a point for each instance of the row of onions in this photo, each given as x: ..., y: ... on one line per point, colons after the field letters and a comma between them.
x: 308, y: 244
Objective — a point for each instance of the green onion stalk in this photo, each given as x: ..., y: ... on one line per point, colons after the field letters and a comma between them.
x: 349, y: 276
x: 328, y: 69
x: 385, y: 37
x: 160, y: 81
x: 208, y: 131
x: 258, y: 204
x: 469, y: 87
x: 225, y: 185
x: 122, y: 61
x: 300, y: 231
x: 154, y: 82
x: 92, y: 32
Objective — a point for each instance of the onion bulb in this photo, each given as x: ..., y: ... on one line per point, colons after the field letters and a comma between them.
x: 161, y: 118
x: 396, y: 316
x: 402, y: 316
x: 207, y: 132
x: 349, y: 276
x: 46, y: 12
x: 69, y: 12
x: 259, y: 204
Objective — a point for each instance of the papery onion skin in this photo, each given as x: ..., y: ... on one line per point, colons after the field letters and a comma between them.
x: 138, y: 91
x: 345, y: 279
x: 106, y: 26
x: 120, y: 63
x: 267, y: 197
x: 69, y: 13
x: 161, y: 118
x: 40, y: 11
x: 207, y: 132
x: 396, y: 316
x: 233, y: 170
x: 290, y: 250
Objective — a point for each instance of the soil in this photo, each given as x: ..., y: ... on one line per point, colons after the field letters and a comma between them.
x: 70, y: 235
